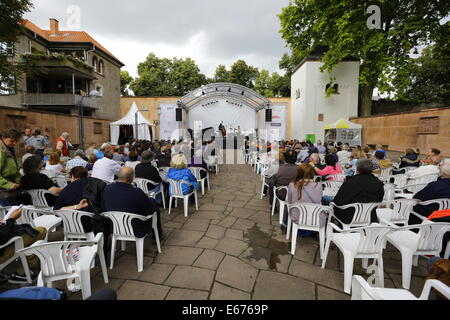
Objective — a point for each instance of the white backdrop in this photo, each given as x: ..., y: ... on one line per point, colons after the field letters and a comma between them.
x: 167, y: 120
x: 232, y: 116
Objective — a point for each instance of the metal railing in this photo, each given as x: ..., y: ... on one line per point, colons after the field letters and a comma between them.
x: 56, y: 99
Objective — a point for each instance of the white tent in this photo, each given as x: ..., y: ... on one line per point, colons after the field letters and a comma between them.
x: 130, y: 120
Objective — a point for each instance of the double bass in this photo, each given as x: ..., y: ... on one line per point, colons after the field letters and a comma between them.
x: 222, y: 130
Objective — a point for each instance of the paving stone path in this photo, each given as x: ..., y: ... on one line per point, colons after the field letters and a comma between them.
x: 232, y: 249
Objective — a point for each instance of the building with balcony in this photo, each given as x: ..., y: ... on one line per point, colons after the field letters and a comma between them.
x: 63, y: 67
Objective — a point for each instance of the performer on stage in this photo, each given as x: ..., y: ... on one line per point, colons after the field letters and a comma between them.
x: 222, y: 129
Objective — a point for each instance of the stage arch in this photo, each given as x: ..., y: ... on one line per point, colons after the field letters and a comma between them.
x: 238, y: 108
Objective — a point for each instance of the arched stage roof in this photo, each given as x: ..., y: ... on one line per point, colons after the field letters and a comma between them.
x: 224, y: 90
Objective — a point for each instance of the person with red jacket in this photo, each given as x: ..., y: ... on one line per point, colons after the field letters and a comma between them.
x: 63, y: 144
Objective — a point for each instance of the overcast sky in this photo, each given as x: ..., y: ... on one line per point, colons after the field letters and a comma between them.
x: 211, y: 32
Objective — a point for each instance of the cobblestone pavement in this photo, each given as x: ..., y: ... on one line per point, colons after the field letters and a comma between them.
x: 231, y: 248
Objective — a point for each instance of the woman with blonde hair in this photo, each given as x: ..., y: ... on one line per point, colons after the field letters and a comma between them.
x: 54, y: 163
x: 179, y: 171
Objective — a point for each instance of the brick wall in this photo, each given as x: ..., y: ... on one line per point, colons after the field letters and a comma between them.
x: 399, y: 131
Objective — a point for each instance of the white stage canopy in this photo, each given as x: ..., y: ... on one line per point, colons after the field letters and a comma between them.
x: 130, y: 120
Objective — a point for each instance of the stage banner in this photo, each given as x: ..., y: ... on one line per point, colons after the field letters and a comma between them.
x: 277, y: 128
x: 167, y: 120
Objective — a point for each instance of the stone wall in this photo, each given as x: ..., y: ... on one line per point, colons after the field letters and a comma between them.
x: 400, y: 131
x: 56, y: 123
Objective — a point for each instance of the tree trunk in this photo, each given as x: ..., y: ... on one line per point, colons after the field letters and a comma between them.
x: 366, y: 94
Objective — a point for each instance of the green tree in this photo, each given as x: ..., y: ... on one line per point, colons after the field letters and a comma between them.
x: 11, y: 13
x: 243, y: 74
x: 426, y: 78
x: 263, y: 84
x: 125, y: 80
x: 280, y: 85
x: 221, y: 74
x: 341, y: 25
x: 167, y: 77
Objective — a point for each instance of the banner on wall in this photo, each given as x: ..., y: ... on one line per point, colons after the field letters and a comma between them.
x: 167, y: 120
x: 277, y: 128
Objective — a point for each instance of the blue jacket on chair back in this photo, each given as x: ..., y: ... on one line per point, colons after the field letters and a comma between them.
x: 183, y: 174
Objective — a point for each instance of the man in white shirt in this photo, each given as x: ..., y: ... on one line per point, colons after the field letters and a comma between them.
x: 425, y: 170
x: 105, y: 168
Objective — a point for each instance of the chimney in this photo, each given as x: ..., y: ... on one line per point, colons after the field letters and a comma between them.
x: 54, y: 27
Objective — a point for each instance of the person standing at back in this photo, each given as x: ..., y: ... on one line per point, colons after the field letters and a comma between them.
x: 63, y: 144
x: 39, y: 142
x: 9, y: 167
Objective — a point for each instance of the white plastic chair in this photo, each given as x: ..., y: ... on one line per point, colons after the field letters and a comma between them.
x: 61, y: 180
x: 50, y: 174
x: 361, y: 290
x: 197, y: 172
x: 361, y: 216
x: 213, y: 162
x: 39, y: 218
x: 331, y: 188
x: 143, y: 185
x: 18, y: 245
x: 282, y: 202
x: 123, y: 230
x: 38, y: 198
x: 414, y: 188
x: 428, y: 241
x: 264, y: 184
x: 389, y: 192
x: 365, y: 243
x: 309, y: 219
x: 58, y: 263
x: 426, y: 179
x: 337, y: 177
x: 397, y: 211
x: 176, y: 191
x: 73, y: 228
x: 399, y: 180
x: 385, y: 174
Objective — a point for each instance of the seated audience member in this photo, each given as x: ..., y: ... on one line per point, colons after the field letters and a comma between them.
x: 439, y: 189
x: 198, y: 161
x: 333, y: 151
x: 118, y: 155
x: 315, y: 159
x: 287, y: 172
x: 29, y: 151
x: 380, y: 163
x: 122, y: 196
x: 133, y: 162
x: 164, y: 158
x: 145, y: 170
x: 73, y: 197
x: 379, y: 148
x: 91, y: 150
x: 303, y: 190
x: 54, y: 163
x: 105, y: 168
x: 321, y: 147
x: 366, y: 151
x: 34, y: 179
x: 10, y: 229
x: 311, y: 151
x: 332, y: 167
x: 350, y: 165
x: 345, y: 154
x: 430, y: 154
x: 410, y: 159
x: 179, y: 171
x: 77, y: 161
x: 304, y: 153
x: 91, y: 162
x: 364, y: 187
x: 425, y: 170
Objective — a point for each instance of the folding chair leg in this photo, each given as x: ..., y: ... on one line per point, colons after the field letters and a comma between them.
x: 203, y: 187
x: 447, y: 251
x: 294, y: 238
x: 380, y: 271
x: 124, y: 245
x: 207, y: 180
x: 348, y: 272
x: 196, y: 200
x: 289, y: 226
x: 274, y: 203
x: 163, y: 196
x: 321, y: 241
x: 282, y: 205
x: 325, y: 254
x: 406, y: 270
x: 24, y: 261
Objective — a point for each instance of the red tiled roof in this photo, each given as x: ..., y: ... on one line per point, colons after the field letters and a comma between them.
x: 65, y: 36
